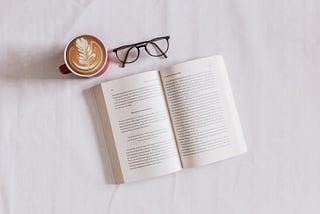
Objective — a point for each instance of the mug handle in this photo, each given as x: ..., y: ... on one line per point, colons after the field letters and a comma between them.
x: 64, y: 69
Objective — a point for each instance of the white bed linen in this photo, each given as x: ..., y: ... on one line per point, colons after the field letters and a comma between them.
x: 52, y: 156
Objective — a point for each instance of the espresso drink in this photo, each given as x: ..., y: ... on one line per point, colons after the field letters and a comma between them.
x: 86, y: 55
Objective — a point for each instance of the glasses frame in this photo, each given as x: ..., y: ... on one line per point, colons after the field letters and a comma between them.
x: 143, y: 45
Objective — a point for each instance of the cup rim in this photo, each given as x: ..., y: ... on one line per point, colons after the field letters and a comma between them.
x: 85, y: 75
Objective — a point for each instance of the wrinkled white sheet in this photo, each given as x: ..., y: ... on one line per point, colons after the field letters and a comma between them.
x: 52, y: 156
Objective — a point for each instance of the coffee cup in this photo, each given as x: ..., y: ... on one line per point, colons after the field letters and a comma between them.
x: 85, y: 56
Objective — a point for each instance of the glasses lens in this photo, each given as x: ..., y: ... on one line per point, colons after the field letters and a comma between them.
x: 128, y: 54
x: 157, y: 47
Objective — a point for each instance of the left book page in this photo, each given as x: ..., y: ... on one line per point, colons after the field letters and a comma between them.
x: 137, y: 127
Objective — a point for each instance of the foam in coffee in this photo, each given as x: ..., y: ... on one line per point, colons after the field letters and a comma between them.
x: 86, y: 55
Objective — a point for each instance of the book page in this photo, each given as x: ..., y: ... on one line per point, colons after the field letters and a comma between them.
x: 202, y: 110
x: 141, y: 126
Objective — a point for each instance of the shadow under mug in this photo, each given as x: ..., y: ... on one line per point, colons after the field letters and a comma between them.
x: 66, y: 69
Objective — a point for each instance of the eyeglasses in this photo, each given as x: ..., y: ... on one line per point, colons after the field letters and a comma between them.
x: 156, y: 47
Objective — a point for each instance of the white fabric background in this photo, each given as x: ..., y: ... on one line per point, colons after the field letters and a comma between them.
x: 52, y: 156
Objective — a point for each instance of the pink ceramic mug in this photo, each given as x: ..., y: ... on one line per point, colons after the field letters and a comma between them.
x: 85, y: 56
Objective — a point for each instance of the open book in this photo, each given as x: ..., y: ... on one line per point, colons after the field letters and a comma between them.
x: 159, y: 122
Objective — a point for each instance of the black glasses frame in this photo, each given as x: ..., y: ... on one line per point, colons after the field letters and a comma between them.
x: 142, y: 45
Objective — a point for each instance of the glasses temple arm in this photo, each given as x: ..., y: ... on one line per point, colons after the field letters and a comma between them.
x: 159, y: 49
x: 125, y: 58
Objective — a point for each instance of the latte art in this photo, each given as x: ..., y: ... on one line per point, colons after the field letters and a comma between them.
x: 86, y: 55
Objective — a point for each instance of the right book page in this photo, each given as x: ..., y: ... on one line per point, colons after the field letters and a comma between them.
x: 202, y: 110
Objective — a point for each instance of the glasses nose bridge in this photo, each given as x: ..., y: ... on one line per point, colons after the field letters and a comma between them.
x: 141, y: 45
